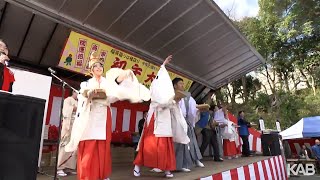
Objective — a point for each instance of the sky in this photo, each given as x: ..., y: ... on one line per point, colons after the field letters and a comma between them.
x: 241, y: 8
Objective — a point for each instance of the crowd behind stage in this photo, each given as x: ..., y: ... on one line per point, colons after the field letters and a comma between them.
x: 169, y: 132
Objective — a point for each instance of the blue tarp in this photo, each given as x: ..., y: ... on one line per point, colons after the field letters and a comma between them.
x: 311, y: 127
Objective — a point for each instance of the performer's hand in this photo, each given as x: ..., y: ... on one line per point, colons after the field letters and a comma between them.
x: 125, y: 75
x: 167, y: 60
x: 91, y: 92
x: 129, y: 74
x: 3, y: 57
x: 215, y: 123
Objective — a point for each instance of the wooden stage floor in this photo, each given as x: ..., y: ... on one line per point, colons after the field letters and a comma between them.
x: 123, y: 170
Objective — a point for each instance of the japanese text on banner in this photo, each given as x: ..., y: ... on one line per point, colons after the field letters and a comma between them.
x: 75, y: 57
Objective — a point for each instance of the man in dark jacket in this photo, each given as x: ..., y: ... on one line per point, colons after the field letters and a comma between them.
x: 142, y: 121
x: 244, y: 134
x: 209, y: 134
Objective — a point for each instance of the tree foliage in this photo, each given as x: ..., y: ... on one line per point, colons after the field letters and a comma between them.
x: 287, y: 34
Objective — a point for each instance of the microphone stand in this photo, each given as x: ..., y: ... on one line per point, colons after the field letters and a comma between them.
x: 60, y: 119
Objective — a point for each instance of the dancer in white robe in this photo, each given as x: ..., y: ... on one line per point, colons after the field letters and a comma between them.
x: 165, y: 125
x: 187, y: 155
x: 91, y: 132
x: 67, y: 160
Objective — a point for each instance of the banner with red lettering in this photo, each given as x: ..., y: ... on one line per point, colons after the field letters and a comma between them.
x: 75, y: 57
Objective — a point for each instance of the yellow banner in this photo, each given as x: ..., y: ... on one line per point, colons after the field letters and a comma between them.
x: 75, y: 57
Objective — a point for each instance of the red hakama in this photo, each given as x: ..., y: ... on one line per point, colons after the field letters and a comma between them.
x: 94, y: 156
x: 229, y: 148
x: 8, y: 79
x: 155, y: 152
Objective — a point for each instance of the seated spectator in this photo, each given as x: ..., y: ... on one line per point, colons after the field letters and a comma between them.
x: 305, y: 153
x: 316, y: 149
x: 316, y: 152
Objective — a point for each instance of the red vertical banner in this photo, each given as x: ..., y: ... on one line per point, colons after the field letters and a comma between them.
x: 103, y: 55
x: 80, y: 53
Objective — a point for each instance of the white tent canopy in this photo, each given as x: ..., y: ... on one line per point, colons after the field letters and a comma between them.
x: 293, y: 132
x: 305, y: 128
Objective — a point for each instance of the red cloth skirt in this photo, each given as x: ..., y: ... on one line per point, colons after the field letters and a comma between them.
x: 155, y: 152
x: 230, y: 148
x: 8, y: 78
x: 94, y: 156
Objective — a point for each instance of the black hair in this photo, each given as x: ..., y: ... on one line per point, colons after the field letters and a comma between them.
x: 70, y: 92
x: 212, y: 107
x: 176, y: 80
x: 240, y: 112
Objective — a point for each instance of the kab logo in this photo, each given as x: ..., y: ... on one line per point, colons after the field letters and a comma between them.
x: 304, y: 169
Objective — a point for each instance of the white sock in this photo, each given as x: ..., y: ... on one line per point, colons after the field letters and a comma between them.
x: 137, y: 168
x: 168, y: 174
x: 136, y: 171
x: 61, y: 173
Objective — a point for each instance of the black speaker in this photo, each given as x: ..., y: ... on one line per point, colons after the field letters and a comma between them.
x: 270, y: 144
x: 21, y: 120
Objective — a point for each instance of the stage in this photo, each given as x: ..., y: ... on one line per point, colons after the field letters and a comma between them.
x: 123, y: 169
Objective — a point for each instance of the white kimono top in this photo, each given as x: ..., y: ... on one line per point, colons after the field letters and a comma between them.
x: 169, y: 121
x: 192, y: 115
x: 90, y: 123
x: 219, y: 117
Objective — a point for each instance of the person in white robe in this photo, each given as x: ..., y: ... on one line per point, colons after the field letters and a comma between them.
x: 67, y: 160
x: 165, y: 125
x: 91, y: 133
x: 221, y: 122
x: 231, y: 138
x: 187, y: 155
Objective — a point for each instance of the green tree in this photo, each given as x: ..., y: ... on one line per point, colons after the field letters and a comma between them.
x: 287, y: 34
x: 299, y: 32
